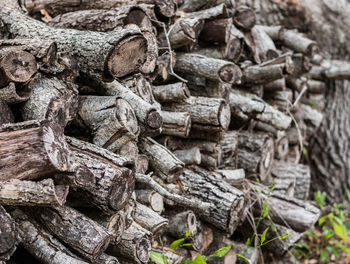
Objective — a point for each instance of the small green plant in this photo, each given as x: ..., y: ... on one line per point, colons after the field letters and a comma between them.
x: 330, y: 236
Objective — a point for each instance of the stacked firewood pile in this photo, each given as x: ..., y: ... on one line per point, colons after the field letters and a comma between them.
x: 126, y: 123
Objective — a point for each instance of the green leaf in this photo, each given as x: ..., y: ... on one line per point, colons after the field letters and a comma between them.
x: 333, y: 249
x: 177, y: 243
x: 324, y: 255
x: 221, y: 252
x: 263, y: 236
x: 158, y: 258
x: 339, y: 229
x: 246, y: 259
x: 306, y: 153
x: 342, y: 247
x: 322, y: 219
x: 264, y: 209
x: 248, y: 242
x: 186, y: 245
x: 311, y: 233
x: 199, y: 260
x: 320, y: 197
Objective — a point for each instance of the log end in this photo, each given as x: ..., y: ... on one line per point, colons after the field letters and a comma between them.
x: 245, y: 18
x: 143, y: 248
x: 230, y: 73
x: 154, y: 120
x: 166, y: 8
x: 224, y: 115
x: 157, y: 202
x: 127, y: 56
x: 18, y: 66
x: 61, y: 192
x: 116, y: 226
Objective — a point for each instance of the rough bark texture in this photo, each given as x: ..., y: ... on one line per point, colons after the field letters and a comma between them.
x: 150, y: 198
x: 176, y: 123
x: 114, y: 183
x: 41, y: 244
x: 6, y: 113
x: 94, y: 51
x: 149, y: 219
x: 85, y: 236
x: 226, y: 202
x: 164, y: 163
x: 14, y: 94
x: 48, y: 150
x: 8, y: 237
x: 175, y: 92
x: 28, y: 193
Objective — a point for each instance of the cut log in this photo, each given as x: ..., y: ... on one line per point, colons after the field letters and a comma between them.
x: 150, y: 198
x: 295, y: 176
x: 44, y: 51
x: 316, y: 87
x: 244, y: 17
x: 200, y: 131
x: 51, y: 99
x: 145, y: 113
x: 210, y: 68
x: 80, y: 178
x: 166, y: 8
x: 298, y: 43
x: 281, y: 145
x: 6, y: 113
x: 29, y: 193
x: 176, y: 123
x: 150, y: 220
x: 83, y: 235
x: 264, y: 44
x: 228, y: 144
x: 164, y: 163
x: 203, y: 110
x: 8, y: 237
x: 112, y: 120
x: 183, y: 33
x: 190, y: 156
x: 301, y: 64
x: 258, y: 74
x: 142, y: 164
x: 296, y: 214
x: 226, y: 202
x: 208, y: 88
x: 175, y: 92
x: 194, y: 5
x: 106, y: 259
x: 41, y: 244
x: 282, y: 100
x: 277, y: 85
x: 48, y: 150
x: 216, y: 31
x: 245, y: 106
x: 129, y: 211
x: 217, y: 11
x: 182, y: 223
x: 101, y: 52
x: 134, y: 246
x: 15, y: 93
x: 16, y: 66
x: 114, y: 223
x: 114, y: 182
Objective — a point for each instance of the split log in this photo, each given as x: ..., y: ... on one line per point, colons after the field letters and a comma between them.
x: 181, y: 223
x: 183, y: 33
x: 51, y: 99
x: 8, y: 237
x: 244, y: 17
x: 150, y: 220
x: 190, y: 156
x: 44, y: 51
x: 203, y: 110
x: 255, y: 153
x: 150, y: 198
x: 48, y: 150
x: 114, y: 223
x: 83, y: 235
x: 228, y: 144
x: 176, y: 123
x: 142, y: 164
x: 111, y: 119
x: 226, y: 202
x: 114, y: 180
x: 165, y: 8
x: 6, y: 113
x: 134, y: 246
x: 295, y: 176
x: 94, y: 51
x: 245, y: 106
x: 165, y: 164
x: 175, y: 92
x: 145, y: 113
x: 41, y: 244
x: 296, y: 214
x: 210, y: 68
x: 16, y: 66
x: 29, y: 193
x: 15, y: 93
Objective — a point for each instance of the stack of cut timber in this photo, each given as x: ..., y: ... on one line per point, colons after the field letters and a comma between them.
x: 122, y: 122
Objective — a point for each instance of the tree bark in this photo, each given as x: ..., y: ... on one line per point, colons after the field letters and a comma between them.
x: 41, y: 244
x: 181, y: 223
x: 114, y: 182
x: 6, y: 113
x: 190, y: 156
x: 150, y: 198
x: 82, y: 234
x: 166, y: 165
x: 176, y: 123
x: 226, y: 202
x: 150, y: 220
x: 15, y: 93
x: 175, y: 92
x: 28, y: 193
x: 48, y: 150
x: 94, y: 51
x: 8, y: 237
